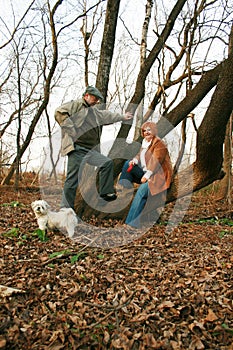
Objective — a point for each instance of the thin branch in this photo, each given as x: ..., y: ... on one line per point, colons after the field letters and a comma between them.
x: 128, y: 31
x: 78, y: 17
x: 16, y: 28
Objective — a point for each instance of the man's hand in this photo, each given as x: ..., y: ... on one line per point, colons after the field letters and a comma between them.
x: 128, y: 116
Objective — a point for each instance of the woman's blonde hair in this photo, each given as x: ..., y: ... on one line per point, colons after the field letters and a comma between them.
x: 150, y: 125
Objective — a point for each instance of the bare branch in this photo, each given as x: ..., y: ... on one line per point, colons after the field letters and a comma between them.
x: 17, y: 26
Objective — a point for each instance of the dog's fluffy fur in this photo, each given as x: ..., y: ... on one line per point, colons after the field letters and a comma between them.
x: 64, y: 218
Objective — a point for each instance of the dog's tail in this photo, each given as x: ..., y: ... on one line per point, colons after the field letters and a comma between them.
x: 72, y: 221
x: 71, y: 215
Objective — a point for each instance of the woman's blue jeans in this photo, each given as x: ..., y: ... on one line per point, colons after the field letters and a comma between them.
x: 143, y: 207
x: 137, y: 206
x: 126, y: 180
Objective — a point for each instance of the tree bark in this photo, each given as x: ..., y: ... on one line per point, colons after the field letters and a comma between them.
x: 211, y: 133
x: 226, y: 183
x: 107, y: 46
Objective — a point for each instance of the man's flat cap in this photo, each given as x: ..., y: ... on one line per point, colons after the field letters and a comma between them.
x: 93, y: 91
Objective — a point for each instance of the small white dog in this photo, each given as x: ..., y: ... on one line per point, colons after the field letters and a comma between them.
x: 64, y: 218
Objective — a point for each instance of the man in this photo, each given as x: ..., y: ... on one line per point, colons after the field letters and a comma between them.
x: 81, y: 125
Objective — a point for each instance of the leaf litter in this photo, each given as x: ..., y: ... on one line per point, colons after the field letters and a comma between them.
x: 161, y: 291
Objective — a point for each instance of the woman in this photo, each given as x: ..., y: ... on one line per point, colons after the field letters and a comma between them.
x: 152, y: 169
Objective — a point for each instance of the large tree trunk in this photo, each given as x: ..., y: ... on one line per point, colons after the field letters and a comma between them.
x: 212, y: 131
x: 210, y: 139
x: 107, y: 46
x: 226, y: 182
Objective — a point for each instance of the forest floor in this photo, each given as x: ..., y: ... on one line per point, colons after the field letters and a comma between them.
x: 162, y: 290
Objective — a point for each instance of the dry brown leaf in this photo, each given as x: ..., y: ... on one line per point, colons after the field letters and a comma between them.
x: 2, y: 342
x: 166, y: 304
x: 122, y: 342
x: 142, y: 317
x: 106, y: 337
x: 109, y: 278
x: 196, y: 344
x: 175, y: 345
x: 150, y: 341
x: 7, y: 291
x: 197, y: 325
x: 211, y: 317
x: 57, y: 335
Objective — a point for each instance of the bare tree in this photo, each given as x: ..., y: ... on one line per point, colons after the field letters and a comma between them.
x: 45, y: 101
x: 107, y: 46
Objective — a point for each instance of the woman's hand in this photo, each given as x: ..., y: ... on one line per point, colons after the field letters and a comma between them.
x: 143, y: 180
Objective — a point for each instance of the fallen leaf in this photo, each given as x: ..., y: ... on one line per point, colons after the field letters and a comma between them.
x: 166, y: 304
x: 106, y: 337
x: 7, y: 291
x: 2, y: 342
x: 211, y: 317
